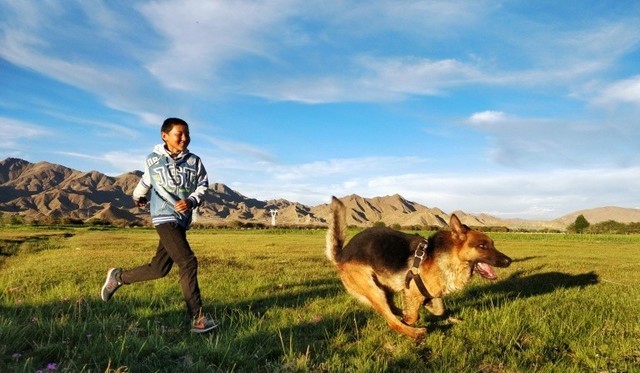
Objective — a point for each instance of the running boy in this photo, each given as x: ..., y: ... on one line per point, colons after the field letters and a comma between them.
x: 177, y: 181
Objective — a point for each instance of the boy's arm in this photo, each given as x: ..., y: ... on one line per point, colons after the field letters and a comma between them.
x: 203, y: 184
x: 141, y: 190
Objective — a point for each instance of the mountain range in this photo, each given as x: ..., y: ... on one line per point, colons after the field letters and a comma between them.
x: 45, y: 191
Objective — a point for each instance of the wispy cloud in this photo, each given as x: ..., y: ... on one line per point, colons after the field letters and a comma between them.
x: 210, y: 35
x: 51, y: 44
x: 623, y: 91
x: 489, y: 116
x: 16, y: 133
x: 346, y: 167
x: 118, y: 162
x: 544, y: 142
x: 242, y: 150
x: 196, y: 57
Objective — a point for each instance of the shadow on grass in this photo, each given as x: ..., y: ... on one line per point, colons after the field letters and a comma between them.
x: 524, y: 259
x: 291, y: 294
x: 80, y: 334
x: 518, y: 285
x: 34, y: 243
x: 311, y: 337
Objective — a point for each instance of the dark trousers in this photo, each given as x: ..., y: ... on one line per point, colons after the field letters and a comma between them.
x: 173, y: 248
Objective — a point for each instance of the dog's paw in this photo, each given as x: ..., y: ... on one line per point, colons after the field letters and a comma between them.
x: 419, y: 334
x: 409, y: 320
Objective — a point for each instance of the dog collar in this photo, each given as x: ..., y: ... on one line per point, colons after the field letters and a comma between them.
x: 414, y: 271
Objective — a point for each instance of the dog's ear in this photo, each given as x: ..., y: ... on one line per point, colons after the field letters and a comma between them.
x: 458, y: 229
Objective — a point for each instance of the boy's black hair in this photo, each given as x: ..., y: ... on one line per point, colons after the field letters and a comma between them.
x: 170, y: 122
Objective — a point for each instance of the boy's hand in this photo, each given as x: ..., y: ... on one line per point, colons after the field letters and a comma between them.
x: 141, y: 202
x: 183, y: 205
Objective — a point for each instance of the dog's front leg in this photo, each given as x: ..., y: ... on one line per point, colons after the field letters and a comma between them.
x: 435, y: 306
x: 412, y: 299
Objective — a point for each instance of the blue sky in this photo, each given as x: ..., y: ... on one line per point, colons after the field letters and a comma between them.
x: 524, y: 109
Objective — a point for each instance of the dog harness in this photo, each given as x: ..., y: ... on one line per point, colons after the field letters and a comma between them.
x: 414, y: 271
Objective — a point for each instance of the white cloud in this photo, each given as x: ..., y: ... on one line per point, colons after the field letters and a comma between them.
x: 416, y: 75
x: 371, y: 79
x: 198, y: 55
x: 242, y: 150
x: 488, y: 116
x: 623, y: 91
x: 215, y: 36
x: 27, y: 50
x: 59, y: 48
x: 529, y: 143
x: 210, y: 34
x: 345, y: 167
x: 17, y: 133
x: 119, y: 161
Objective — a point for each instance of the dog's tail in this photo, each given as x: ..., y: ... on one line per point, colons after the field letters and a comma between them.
x: 337, y: 231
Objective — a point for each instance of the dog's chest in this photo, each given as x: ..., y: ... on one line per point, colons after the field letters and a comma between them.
x: 453, y: 273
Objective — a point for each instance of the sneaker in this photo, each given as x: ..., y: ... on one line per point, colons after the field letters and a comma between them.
x: 111, y: 284
x: 203, y: 324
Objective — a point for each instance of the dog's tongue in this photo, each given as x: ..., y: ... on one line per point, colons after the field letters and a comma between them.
x: 486, y: 271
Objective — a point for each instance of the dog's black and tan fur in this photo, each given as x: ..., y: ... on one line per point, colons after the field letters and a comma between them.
x: 373, y: 266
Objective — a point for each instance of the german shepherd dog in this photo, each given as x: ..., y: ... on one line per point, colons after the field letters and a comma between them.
x: 379, y: 262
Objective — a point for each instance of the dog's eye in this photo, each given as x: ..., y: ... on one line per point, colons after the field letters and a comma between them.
x: 482, y: 246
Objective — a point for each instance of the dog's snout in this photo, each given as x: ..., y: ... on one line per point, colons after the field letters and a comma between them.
x: 504, y: 261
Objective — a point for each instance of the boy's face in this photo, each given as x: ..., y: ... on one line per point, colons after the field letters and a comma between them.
x: 177, y: 139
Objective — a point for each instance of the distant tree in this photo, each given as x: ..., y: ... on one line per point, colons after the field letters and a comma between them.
x: 579, y: 225
x: 120, y: 223
x: 610, y: 226
x: 97, y: 222
x: 235, y: 224
x: 16, y: 220
x: 614, y: 227
x: 633, y: 228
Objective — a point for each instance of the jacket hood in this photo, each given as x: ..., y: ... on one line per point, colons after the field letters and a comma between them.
x: 161, y: 150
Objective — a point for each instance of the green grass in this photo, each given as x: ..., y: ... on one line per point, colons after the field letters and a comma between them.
x: 568, y: 303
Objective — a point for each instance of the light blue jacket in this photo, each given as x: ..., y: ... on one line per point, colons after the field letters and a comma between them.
x: 169, y: 181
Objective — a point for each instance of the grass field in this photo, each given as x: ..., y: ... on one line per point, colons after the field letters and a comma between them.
x: 568, y: 303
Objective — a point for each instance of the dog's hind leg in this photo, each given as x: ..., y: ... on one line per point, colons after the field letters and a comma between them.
x: 389, y: 294
x: 359, y: 281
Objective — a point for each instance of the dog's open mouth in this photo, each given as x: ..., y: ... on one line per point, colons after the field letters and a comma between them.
x: 486, y: 271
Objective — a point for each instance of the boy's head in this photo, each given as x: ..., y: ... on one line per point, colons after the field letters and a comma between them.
x: 175, y: 134
x: 168, y: 124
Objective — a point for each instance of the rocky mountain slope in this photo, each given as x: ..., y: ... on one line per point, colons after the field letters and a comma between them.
x: 46, y: 191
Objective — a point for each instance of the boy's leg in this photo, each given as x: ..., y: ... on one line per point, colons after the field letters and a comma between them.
x: 174, y: 239
x: 159, y: 266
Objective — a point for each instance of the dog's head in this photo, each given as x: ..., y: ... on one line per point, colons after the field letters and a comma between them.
x: 478, y: 249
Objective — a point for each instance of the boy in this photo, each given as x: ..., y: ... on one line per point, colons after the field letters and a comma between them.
x: 177, y: 181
